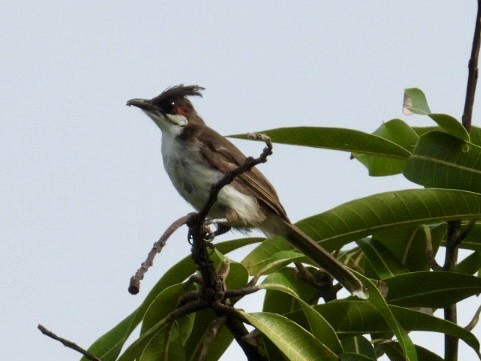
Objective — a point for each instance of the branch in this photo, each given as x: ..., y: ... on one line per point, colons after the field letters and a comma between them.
x: 472, y: 72
x: 68, y: 343
x: 134, y: 285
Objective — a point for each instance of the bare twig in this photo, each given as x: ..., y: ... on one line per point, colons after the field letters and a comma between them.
x: 134, y: 285
x: 472, y: 72
x: 67, y: 343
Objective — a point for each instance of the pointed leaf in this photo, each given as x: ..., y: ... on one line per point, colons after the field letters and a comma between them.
x: 378, y: 301
x: 381, y: 259
x: 398, y: 132
x: 441, y: 160
x: 415, y: 102
x: 357, y: 348
x: 108, y: 346
x: 335, y: 138
x: 280, y: 301
x: 270, y: 256
x: 451, y: 125
x: 364, y: 216
x: 393, y: 351
x: 201, y: 332
x: 410, y: 245
x: 379, y: 212
x: 431, y: 289
x: 294, y: 341
x: 319, y: 327
x: 361, y: 317
x: 164, y: 345
x: 470, y: 265
x: 163, y: 304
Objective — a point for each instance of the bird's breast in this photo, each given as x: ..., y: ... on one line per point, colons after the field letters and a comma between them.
x: 193, y: 178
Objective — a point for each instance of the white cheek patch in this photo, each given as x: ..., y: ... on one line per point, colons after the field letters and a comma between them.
x: 170, y: 124
x: 178, y: 119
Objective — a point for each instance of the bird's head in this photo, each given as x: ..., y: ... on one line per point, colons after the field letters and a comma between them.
x: 171, y: 110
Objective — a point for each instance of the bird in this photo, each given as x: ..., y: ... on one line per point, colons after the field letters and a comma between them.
x: 196, y: 157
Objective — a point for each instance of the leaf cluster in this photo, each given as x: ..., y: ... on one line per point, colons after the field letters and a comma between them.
x: 389, y: 239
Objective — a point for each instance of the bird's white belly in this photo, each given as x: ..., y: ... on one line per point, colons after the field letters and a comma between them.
x: 193, y: 178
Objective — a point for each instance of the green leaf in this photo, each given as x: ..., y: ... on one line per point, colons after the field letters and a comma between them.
x: 420, y: 321
x: 474, y: 132
x: 350, y: 317
x: 276, y: 301
x: 364, y: 216
x: 335, y: 138
x: 409, y: 245
x: 381, y: 166
x: 378, y: 301
x: 108, y: 347
x: 415, y: 102
x: 470, y: 265
x: 285, y: 284
x: 201, y: 332
x: 155, y: 321
x: 294, y: 341
x: 398, y: 132
x: 164, y: 345
x: 441, y: 160
x: 237, y: 276
x: 473, y: 239
x: 356, y: 357
x: 270, y: 258
x: 431, y: 289
x: 357, y: 348
x: 380, y: 212
x: 163, y: 304
x: 381, y: 259
x: 451, y: 125
x: 394, y: 352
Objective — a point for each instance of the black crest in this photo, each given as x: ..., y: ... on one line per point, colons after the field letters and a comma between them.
x: 178, y: 91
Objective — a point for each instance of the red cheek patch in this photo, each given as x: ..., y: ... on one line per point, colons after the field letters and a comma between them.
x: 181, y: 110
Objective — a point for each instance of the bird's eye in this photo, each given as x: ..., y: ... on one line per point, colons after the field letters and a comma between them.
x: 170, y: 106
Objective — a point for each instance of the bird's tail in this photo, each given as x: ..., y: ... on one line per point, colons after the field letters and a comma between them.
x: 280, y: 227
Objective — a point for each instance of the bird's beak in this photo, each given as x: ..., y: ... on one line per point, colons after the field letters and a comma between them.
x: 143, y: 104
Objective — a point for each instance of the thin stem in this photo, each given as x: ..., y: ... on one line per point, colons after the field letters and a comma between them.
x: 472, y: 72
x: 67, y: 343
x: 454, y: 237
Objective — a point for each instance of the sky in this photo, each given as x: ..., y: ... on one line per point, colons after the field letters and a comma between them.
x: 83, y: 193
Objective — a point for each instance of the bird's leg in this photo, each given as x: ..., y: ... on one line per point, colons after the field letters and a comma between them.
x: 222, y: 224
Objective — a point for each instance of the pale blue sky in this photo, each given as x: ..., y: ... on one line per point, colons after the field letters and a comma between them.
x: 83, y: 194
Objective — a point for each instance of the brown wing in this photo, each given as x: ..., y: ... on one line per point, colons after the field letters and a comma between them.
x: 221, y: 154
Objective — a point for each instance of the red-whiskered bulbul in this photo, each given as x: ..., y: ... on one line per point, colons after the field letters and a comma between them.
x: 196, y: 157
